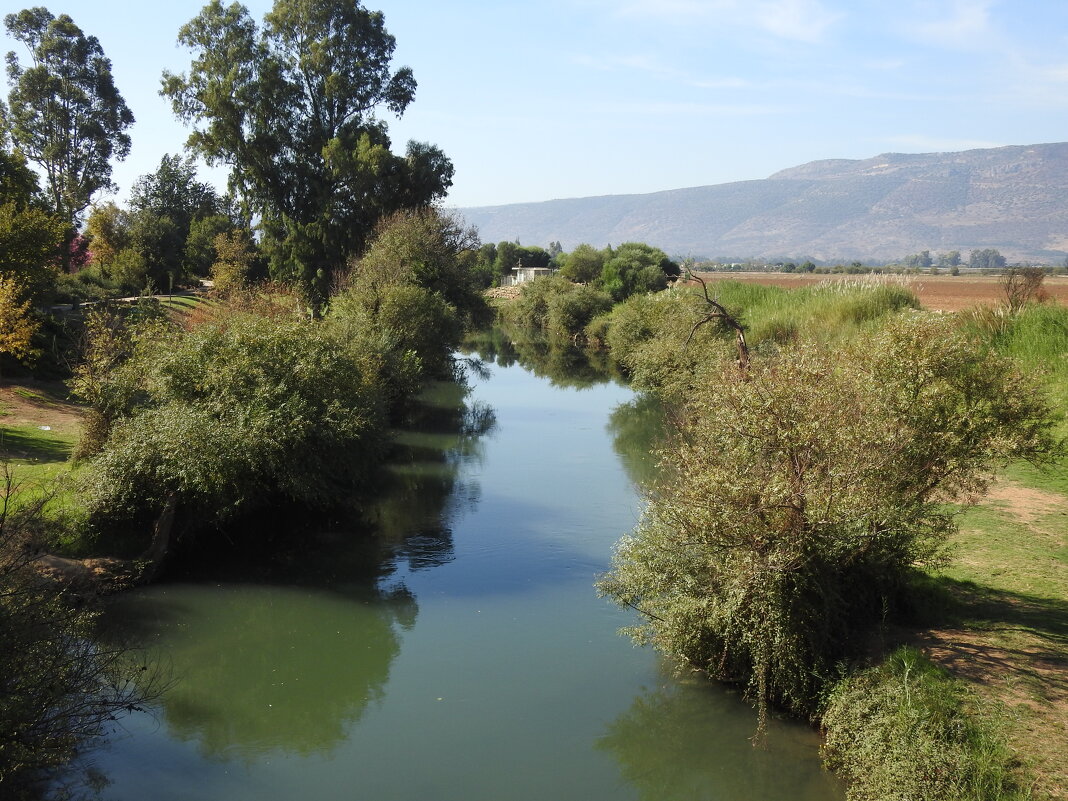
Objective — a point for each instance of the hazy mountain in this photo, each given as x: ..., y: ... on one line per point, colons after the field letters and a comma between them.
x: 1011, y: 198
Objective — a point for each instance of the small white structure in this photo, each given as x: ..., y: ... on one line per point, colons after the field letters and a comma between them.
x: 520, y: 275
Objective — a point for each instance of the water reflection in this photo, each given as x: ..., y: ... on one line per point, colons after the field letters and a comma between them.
x: 638, y: 428
x: 425, y: 494
x: 270, y: 689
x: 691, y: 741
x: 312, y: 627
x: 564, y: 364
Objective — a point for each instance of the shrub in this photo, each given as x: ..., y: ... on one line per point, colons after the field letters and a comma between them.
x: 906, y: 730
x: 243, y: 410
x: 635, y: 268
x: 58, y: 688
x: 568, y: 313
x: 428, y: 248
x: 401, y: 321
x: 798, y: 494
x: 531, y: 308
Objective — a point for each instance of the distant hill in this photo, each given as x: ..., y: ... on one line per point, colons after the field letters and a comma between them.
x: 1014, y: 199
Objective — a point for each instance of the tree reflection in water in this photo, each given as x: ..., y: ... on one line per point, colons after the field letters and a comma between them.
x: 311, y: 628
x: 562, y: 363
x: 687, y: 741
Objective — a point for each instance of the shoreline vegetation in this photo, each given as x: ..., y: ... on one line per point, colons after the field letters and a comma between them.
x: 190, y: 418
x: 967, y: 696
x: 974, y: 660
x: 812, y: 536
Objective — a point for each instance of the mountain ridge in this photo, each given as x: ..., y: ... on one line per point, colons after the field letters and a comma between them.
x: 1012, y: 198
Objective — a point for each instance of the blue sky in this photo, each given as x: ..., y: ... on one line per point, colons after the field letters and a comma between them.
x: 570, y: 98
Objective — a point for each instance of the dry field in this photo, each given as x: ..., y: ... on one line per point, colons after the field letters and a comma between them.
x: 942, y: 292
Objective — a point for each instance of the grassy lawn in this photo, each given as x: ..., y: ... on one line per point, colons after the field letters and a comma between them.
x: 39, y: 428
x: 1005, y: 628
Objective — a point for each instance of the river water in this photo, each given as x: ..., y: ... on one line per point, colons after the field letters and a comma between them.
x: 459, y: 653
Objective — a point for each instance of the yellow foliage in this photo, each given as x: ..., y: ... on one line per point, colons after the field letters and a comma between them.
x: 17, y: 327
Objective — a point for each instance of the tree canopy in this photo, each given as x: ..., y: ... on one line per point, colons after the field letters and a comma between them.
x: 291, y: 107
x: 65, y: 113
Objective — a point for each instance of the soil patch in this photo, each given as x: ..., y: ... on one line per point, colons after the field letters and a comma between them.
x: 1025, y: 503
x: 1027, y: 674
x: 27, y: 402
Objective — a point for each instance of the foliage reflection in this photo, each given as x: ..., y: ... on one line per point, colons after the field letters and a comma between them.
x: 303, y: 661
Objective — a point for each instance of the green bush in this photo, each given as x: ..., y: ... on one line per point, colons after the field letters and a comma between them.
x: 245, y: 409
x: 634, y: 268
x: 799, y: 493
x: 400, y: 322
x: 427, y: 248
x: 531, y: 308
x: 59, y: 687
x: 568, y: 313
x: 85, y: 286
x: 906, y: 730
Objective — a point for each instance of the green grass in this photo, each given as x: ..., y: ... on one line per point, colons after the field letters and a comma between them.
x: 999, y: 612
x: 183, y: 302
x: 826, y: 311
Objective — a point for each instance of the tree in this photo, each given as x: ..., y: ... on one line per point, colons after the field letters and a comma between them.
x: 30, y: 246
x: 174, y: 191
x: 635, y: 267
x: 799, y: 493
x: 950, y: 258
x: 291, y: 109
x: 427, y: 248
x: 18, y: 183
x: 919, y: 261
x: 1022, y: 285
x: 235, y: 260
x: 988, y: 258
x: 164, y: 206
x: 17, y: 327
x: 583, y: 264
x: 507, y: 258
x: 65, y: 113
x: 108, y: 229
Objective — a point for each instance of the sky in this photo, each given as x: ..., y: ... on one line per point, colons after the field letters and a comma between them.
x: 541, y: 100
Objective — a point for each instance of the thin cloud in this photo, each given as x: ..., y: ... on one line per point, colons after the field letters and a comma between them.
x: 800, y: 20
x: 793, y: 20
x: 966, y: 26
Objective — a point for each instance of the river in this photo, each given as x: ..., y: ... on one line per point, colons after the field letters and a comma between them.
x: 460, y: 653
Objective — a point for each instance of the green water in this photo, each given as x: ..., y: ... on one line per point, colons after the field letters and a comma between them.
x: 459, y: 654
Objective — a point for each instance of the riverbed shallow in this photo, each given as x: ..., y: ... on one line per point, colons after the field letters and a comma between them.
x: 473, y: 660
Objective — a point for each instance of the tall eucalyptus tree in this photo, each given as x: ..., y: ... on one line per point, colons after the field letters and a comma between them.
x: 64, y: 112
x: 292, y: 108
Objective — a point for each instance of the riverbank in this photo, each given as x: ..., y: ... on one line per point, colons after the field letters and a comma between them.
x: 995, y: 618
x: 1005, y: 629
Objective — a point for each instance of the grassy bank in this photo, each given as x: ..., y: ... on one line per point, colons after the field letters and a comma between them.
x: 39, y: 428
x: 1002, y: 628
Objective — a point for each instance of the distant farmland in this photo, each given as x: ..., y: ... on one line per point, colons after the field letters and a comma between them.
x: 942, y: 292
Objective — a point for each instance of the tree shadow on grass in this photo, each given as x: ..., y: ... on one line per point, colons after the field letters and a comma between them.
x: 993, y: 635
x: 21, y: 444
